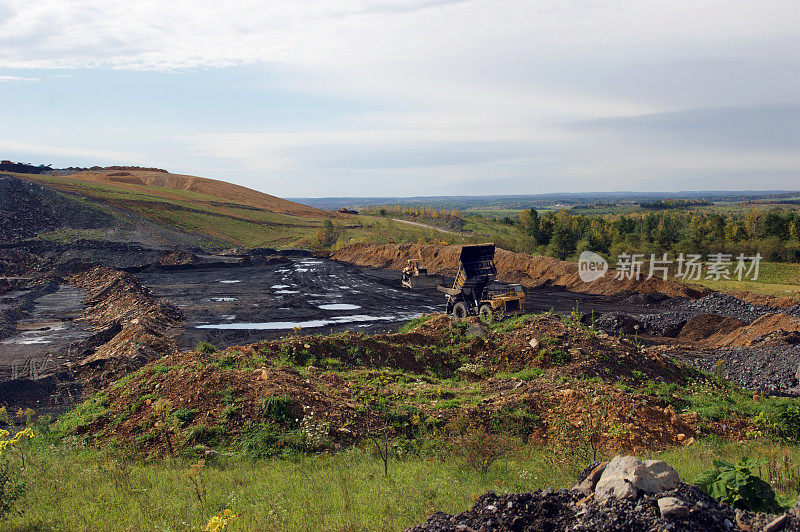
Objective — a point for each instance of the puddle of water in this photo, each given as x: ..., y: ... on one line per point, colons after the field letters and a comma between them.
x: 223, y: 299
x: 227, y: 281
x: 279, y: 286
x: 45, y: 326
x: 26, y: 341
x: 301, y: 270
x: 285, y: 325
x: 287, y: 291
x: 339, y: 306
x: 310, y: 262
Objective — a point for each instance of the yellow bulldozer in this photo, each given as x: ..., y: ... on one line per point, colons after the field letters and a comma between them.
x: 415, y: 276
x: 472, y: 292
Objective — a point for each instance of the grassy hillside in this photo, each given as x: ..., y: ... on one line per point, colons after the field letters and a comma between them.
x: 216, y: 214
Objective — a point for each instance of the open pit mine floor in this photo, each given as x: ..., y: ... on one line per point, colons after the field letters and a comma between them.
x: 244, y: 304
x: 71, y: 323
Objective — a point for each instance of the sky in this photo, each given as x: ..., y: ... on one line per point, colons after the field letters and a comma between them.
x: 321, y: 98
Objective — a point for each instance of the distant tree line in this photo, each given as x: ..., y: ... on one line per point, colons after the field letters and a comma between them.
x: 774, y: 233
x: 24, y: 168
x: 416, y: 211
x: 673, y: 204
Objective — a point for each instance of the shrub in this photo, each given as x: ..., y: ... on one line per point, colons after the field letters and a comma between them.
x: 10, y: 489
x: 266, y: 440
x: 414, y: 323
x: 787, y: 422
x: 278, y: 408
x: 559, y: 357
x: 210, y: 436
x: 207, y: 348
x: 478, y: 447
x: 737, y: 485
x: 185, y: 415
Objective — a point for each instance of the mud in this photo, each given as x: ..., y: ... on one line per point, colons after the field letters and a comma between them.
x: 149, y: 303
x: 41, y: 326
x: 244, y: 304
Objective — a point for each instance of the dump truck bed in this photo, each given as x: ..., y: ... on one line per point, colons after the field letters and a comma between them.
x: 475, y: 266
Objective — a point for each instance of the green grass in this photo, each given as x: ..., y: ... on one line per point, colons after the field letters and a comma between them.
x: 223, y: 223
x: 774, y: 279
x: 73, y: 488
x: 413, y: 324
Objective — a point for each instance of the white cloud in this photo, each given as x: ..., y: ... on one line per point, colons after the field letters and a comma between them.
x: 18, y: 79
x: 495, y: 82
x: 46, y: 150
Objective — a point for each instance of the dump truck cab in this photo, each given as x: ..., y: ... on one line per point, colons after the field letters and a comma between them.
x: 472, y: 293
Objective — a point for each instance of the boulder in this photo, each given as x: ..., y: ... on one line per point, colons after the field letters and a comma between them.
x: 625, y: 477
x: 587, y: 485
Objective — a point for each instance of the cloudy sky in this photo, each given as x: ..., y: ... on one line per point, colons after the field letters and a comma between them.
x: 410, y: 97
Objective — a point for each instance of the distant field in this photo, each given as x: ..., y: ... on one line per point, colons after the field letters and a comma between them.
x: 774, y: 279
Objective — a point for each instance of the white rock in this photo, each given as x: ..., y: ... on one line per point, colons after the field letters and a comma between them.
x: 625, y: 476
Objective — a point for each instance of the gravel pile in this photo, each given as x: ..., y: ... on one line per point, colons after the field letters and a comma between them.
x: 636, y: 506
x: 679, y: 311
x: 772, y: 369
x: 28, y: 208
x: 728, y: 305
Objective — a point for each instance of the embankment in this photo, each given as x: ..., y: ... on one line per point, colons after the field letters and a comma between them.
x: 512, y: 268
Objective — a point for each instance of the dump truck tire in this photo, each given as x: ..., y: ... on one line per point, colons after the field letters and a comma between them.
x: 486, y: 312
x: 460, y: 311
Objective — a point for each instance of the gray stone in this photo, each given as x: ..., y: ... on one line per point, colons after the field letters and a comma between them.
x: 588, y: 484
x: 673, y: 507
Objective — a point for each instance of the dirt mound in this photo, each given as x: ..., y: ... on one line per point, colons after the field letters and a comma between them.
x: 704, y: 326
x: 512, y: 267
x: 769, y: 301
x: 349, y: 384
x: 206, y: 391
x: 179, y: 258
x: 764, y: 328
x: 28, y: 208
x: 118, y: 302
x: 211, y: 187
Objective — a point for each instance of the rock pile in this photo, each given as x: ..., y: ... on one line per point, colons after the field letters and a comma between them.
x: 624, y: 494
x: 28, y: 208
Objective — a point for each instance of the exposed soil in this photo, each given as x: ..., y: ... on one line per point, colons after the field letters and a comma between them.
x: 708, y: 326
x: 346, y: 401
x: 236, y: 194
x: 117, y: 301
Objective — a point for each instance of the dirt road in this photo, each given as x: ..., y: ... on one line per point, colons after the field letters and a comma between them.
x: 426, y: 226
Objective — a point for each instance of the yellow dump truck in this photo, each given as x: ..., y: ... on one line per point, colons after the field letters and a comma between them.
x: 472, y: 293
